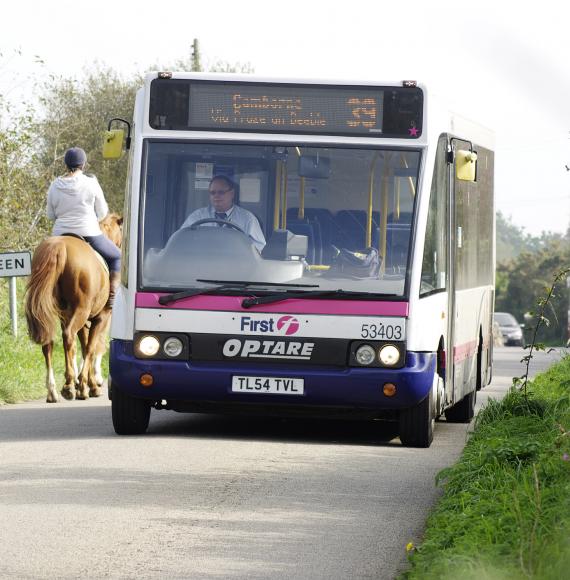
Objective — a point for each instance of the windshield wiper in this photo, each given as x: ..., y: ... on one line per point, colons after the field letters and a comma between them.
x: 221, y: 286
x: 169, y: 298
x: 287, y: 295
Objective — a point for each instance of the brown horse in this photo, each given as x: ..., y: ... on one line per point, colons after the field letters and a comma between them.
x: 70, y: 282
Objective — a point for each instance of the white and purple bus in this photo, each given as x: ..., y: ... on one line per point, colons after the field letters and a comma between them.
x: 372, y: 295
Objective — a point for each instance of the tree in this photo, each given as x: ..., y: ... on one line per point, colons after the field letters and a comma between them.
x: 512, y: 240
x: 71, y: 112
x: 20, y: 176
x: 523, y: 280
x: 19, y: 183
x: 76, y: 113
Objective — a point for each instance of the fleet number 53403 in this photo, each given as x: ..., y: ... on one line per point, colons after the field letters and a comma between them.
x: 381, y: 331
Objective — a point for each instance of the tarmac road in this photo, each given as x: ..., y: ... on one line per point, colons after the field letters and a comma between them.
x: 205, y: 496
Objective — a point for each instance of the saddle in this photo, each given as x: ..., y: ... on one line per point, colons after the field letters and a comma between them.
x: 99, y: 256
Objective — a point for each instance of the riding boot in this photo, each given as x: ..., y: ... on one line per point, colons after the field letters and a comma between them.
x: 114, y: 280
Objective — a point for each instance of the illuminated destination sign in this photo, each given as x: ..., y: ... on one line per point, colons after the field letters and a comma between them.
x: 178, y: 104
x: 286, y: 108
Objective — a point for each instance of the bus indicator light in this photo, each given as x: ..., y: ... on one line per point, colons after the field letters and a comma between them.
x: 146, y: 380
x: 389, y: 389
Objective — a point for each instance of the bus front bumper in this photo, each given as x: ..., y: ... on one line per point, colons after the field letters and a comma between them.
x: 210, y: 384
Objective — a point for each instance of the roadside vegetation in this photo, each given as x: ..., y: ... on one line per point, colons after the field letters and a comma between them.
x: 525, y: 265
x: 505, y: 513
x: 22, y: 368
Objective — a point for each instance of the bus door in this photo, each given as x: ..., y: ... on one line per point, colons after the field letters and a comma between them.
x: 462, y: 332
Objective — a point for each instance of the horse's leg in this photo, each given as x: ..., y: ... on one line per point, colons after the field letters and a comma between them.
x: 98, y: 325
x: 83, y: 335
x: 69, y: 335
x: 94, y: 375
x: 52, y: 397
x: 96, y: 379
x: 74, y: 360
x: 68, y: 390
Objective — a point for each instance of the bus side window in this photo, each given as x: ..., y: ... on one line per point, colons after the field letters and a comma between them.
x: 435, y: 248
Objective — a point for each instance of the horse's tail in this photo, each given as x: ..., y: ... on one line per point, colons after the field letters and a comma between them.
x: 42, y: 313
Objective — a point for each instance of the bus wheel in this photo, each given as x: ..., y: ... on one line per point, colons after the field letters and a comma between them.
x: 130, y: 415
x: 463, y: 411
x: 417, y: 423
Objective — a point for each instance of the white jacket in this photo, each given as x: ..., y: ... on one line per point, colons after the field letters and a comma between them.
x: 236, y: 214
x: 77, y: 204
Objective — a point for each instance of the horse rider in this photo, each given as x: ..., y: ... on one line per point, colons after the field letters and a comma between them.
x: 77, y: 204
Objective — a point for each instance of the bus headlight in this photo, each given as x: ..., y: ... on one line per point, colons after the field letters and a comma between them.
x: 389, y: 355
x: 148, y: 345
x: 365, y: 355
x: 173, y: 346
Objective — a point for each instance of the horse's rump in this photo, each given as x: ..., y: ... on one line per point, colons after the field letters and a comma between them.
x: 66, y: 272
x: 42, y: 310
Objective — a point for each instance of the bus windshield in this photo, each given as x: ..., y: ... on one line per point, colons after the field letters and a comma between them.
x: 326, y: 217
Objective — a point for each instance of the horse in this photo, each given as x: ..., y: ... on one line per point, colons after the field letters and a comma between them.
x: 69, y: 281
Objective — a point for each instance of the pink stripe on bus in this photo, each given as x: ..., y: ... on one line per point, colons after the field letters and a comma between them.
x: 294, y: 306
x: 464, y: 351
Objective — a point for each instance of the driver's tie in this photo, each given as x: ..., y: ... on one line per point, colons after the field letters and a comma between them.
x: 221, y: 216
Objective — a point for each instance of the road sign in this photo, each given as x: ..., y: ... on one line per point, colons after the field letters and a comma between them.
x: 15, y: 264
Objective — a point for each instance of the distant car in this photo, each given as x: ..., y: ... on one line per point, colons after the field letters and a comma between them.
x: 510, y: 329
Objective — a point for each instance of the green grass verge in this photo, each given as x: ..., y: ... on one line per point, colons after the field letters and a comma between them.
x: 505, y: 511
x: 22, y: 367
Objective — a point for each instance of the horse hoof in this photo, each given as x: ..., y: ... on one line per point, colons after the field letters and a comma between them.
x: 96, y: 392
x: 68, y: 394
x: 52, y: 399
x: 81, y: 396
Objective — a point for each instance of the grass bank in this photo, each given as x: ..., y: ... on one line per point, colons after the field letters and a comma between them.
x: 22, y: 368
x: 505, y: 512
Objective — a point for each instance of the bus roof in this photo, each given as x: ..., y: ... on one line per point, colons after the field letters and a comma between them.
x: 250, y: 78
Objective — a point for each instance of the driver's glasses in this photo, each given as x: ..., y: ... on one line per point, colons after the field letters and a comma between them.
x: 219, y: 191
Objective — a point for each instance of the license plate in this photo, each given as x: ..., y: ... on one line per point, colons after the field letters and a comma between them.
x: 271, y: 385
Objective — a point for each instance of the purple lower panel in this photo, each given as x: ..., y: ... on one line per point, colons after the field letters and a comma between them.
x: 345, y: 387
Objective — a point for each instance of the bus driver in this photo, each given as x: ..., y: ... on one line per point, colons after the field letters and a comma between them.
x: 222, y: 194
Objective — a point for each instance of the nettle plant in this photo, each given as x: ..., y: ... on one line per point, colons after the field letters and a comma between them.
x: 543, y: 304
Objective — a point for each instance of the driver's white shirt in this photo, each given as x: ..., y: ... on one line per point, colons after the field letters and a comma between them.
x: 237, y: 215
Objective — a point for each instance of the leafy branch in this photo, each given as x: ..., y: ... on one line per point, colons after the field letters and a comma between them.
x: 541, y: 319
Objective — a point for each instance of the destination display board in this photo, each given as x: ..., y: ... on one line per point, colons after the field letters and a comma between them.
x: 181, y: 104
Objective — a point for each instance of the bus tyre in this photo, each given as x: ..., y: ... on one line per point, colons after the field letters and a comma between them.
x: 463, y: 411
x: 130, y: 415
x: 417, y: 423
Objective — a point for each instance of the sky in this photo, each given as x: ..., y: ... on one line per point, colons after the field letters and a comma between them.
x: 504, y: 64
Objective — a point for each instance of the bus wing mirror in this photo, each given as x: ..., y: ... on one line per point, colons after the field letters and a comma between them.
x: 314, y: 166
x: 113, y: 143
x: 465, y: 165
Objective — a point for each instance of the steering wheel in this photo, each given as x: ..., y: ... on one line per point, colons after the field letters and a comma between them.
x: 199, y: 223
